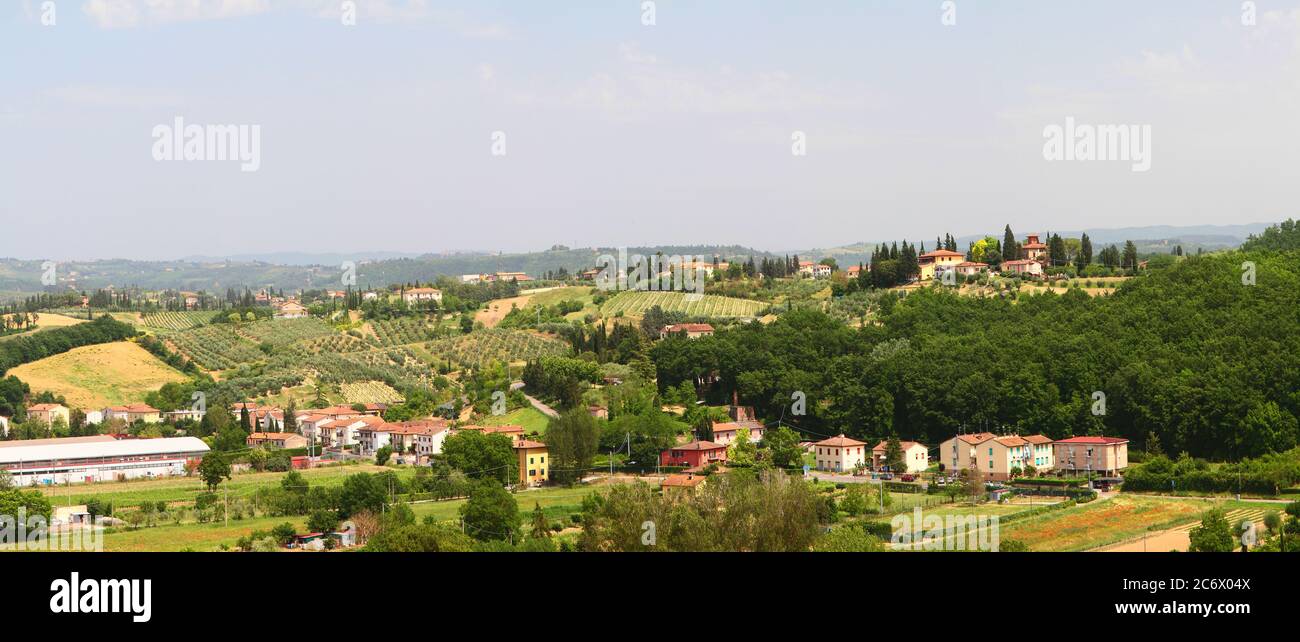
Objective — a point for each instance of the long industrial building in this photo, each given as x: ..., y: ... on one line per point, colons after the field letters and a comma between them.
x: 76, y: 460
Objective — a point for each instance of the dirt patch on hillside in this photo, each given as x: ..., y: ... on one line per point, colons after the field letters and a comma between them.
x: 499, y: 308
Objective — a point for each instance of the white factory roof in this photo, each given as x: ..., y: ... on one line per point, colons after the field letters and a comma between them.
x: 87, y: 450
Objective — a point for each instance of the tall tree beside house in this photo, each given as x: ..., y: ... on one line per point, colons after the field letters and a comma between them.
x: 1056, y: 251
x: 572, y: 440
x: 704, y: 428
x: 1010, y: 249
x: 894, y: 458
x: 1130, y: 255
x: 244, y: 420
x: 290, y: 420
x: 1084, y: 257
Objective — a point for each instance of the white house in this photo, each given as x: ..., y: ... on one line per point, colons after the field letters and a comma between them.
x: 840, y: 454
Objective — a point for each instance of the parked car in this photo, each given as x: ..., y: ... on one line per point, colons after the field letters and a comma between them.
x: 908, y: 477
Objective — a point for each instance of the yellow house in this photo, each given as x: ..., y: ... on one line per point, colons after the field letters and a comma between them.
x: 932, y: 263
x: 532, y: 462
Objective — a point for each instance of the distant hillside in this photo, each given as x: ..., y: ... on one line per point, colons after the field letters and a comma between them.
x: 215, y: 276
x: 1149, y: 240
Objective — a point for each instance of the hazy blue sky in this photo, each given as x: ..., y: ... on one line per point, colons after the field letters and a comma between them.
x: 378, y: 136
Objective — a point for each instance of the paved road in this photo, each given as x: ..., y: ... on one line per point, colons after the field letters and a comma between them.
x: 537, y: 403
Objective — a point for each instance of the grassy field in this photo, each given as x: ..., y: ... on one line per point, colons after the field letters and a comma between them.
x: 556, y: 503
x: 556, y: 295
x: 45, y: 321
x: 637, y: 303
x: 99, y: 375
x: 184, y: 489
x: 530, y: 418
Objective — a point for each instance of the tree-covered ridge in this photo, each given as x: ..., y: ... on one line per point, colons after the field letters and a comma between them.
x: 1189, y: 354
x: 1283, y: 236
x: 20, y: 350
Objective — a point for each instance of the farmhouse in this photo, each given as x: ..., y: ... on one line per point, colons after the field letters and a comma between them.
x: 290, y: 310
x: 692, y: 330
x: 1023, y: 266
x: 276, y: 440
x: 1105, y: 455
x: 915, y: 455
x: 694, y: 454
x: 47, y: 413
x: 422, y: 295
x: 132, y: 413
x: 515, y: 433
x: 76, y: 460
x: 532, y: 462
x: 1033, y: 249
x: 933, y: 264
x: 682, y: 486
x: 725, y: 433
x: 971, y: 268
x: 840, y: 454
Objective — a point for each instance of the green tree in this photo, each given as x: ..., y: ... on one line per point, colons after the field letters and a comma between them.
x: 571, y: 442
x: 482, y: 456
x: 491, y: 512
x: 1213, y: 535
x: 361, y: 492
x: 894, y: 457
x: 214, y: 468
x: 783, y: 446
x: 742, y: 452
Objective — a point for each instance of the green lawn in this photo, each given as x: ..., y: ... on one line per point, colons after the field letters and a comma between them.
x: 556, y: 503
x: 529, y: 417
x: 184, y: 489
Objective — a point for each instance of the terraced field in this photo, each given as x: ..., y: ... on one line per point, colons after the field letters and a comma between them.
x: 175, y: 320
x: 481, y: 347
x: 637, y: 303
x: 404, y: 331
x: 215, y: 347
x: 369, y: 392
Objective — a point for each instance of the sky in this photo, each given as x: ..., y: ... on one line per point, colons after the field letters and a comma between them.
x: 436, y: 125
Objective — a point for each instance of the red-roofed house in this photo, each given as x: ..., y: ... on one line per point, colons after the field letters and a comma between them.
x: 680, y: 486
x: 533, y: 469
x: 694, y: 454
x: 47, y: 413
x: 1023, y: 266
x: 131, y: 413
x: 1033, y: 250
x: 915, y: 454
x: 276, y: 440
x: 692, y: 330
x: 725, y: 433
x: 957, y: 453
x: 1104, y: 455
x: 934, y: 263
x: 840, y: 454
